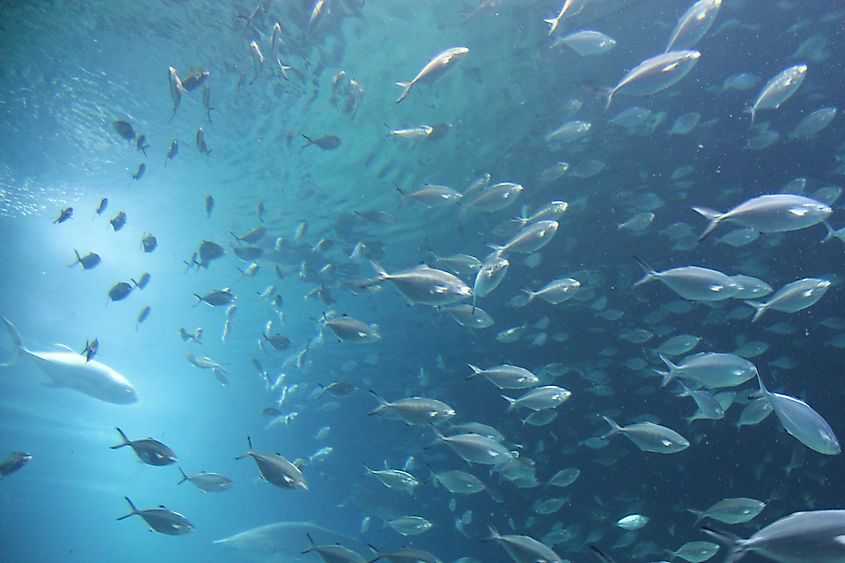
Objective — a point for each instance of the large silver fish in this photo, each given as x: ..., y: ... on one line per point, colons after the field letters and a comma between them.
x: 67, y: 369
x: 435, y: 68
x: 656, y: 74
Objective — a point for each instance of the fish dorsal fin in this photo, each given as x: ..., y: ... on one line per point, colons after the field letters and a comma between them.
x: 64, y: 347
x: 162, y: 506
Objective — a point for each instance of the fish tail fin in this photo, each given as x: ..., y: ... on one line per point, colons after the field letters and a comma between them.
x: 763, y: 391
x: 601, y: 554
x: 249, y: 443
x: 614, y: 427
x: 124, y: 443
x: 382, y: 404
x: 753, y: 111
x: 650, y: 273
x: 382, y: 273
x: 407, y: 86
x: 494, y: 534
x: 132, y: 506
x: 609, y: 93
x: 531, y: 295
x: 699, y: 515
x: 511, y: 402
x: 311, y: 547
x: 476, y: 371
x: 553, y: 23
x: 830, y: 232
x: 498, y: 249
x: 199, y: 299
x: 670, y: 375
x: 760, y: 308
x: 379, y: 554
x: 711, y: 215
x: 309, y: 141
x: 16, y: 340
x: 184, y: 477
x: 736, y: 546
x: 79, y: 258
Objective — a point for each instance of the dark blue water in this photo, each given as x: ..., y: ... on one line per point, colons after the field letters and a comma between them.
x: 72, y: 68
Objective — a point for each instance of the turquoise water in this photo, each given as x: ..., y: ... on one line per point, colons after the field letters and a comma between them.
x: 72, y: 68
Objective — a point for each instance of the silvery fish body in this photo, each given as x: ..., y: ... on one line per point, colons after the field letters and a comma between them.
x: 771, y: 213
x: 656, y: 74
x: 779, y: 89
x: 694, y: 24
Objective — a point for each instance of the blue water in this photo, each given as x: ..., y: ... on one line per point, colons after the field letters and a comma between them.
x: 71, y: 68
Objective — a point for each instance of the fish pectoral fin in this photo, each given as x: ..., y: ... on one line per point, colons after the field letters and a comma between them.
x: 64, y: 347
x: 798, y: 211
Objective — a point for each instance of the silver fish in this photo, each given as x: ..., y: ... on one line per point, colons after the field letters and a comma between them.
x: 793, y: 297
x: 649, y: 437
x: 779, y: 89
x: 771, y: 213
x: 435, y: 68
x: 656, y: 74
x: 694, y: 24
x: 162, y: 520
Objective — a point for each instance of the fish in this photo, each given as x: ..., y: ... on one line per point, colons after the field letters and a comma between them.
x: 778, y: 89
x: 414, y: 410
x: 793, y: 297
x: 649, y: 437
x: 771, y: 213
x: 506, y: 376
x: 142, y: 281
x: 413, y: 134
x: 141, y: 144
x: 281, y: 541
x: 802, y: 422
x: 202, y: 145
x: 494, y: 198
x: 655, y: 74
x: 326, y: 142
x: 433, y: 195
x: 14, y: 463
x: 209, y: 251
x: 434, y: 69
x: 149, y: 243
x: 337, y: 389
x: 91, y: 349
x: 89, y: 261
x: 540, y: 398
x: 710, y: 370
x: 120, y: 291
x: 571, y: 7
x: 124, y: 129
x: 587, y: 42
x: 206, y: 103
x: 252, y: 236
x: 195, y: 79
x: 424, y: 285
x: 410, y: 525
x: 65, y: 215
x: 469, y: 316
x: 176, y: 89
x: 348, y: 329
x: 632, y: 521
x: 140, y: 172
x: 404, y: 554
x: 476, y: 448
x: 694, y: 24
x: 142, y: 316
x: 102, y: 206
x: 276, y: 470
x: 489, y: 276
x: 813, y: 536
x: 333, y: 552
x: 394, y: 479
x: 730, y: 511
x: 692, y: 282
x: 118, y: 221
x: 209, y: 206
x: 172, y: 151
x: 216, y: 298
x: 529, y: 240
x: 161, y: 520
x: 148, y: 450
x: 555, y: 292
x: 207, y: 482
x: 524, y: 548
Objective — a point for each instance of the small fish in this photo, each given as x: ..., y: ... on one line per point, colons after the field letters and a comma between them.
x: 779, y: 89
x: 216, y: 298
x: 148, y: 450
x: 433, y: 70
x: 207, y: 482
x: 260, y: 209
x: 172, y: 151
x: 195, y: 79
x: 206, y: 102
x: 124, y: 129
x: 140, y: 173
x: 162, y: 520
x: 202, y: 145
x: 149, y: 243
x: 102, y: 206
x: 88, y: 261
x: 118, y: 221
x: 142, y: 281
x: 141, y: 144
x: 326, y: 142
x: 142, y: 316
x: 91, y: 349
x: 656, y: 74
x: 65, y: 215
x: 209, y: 205
x: 176, y: 89
x: 14, y: 463
x: 120, y: 291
